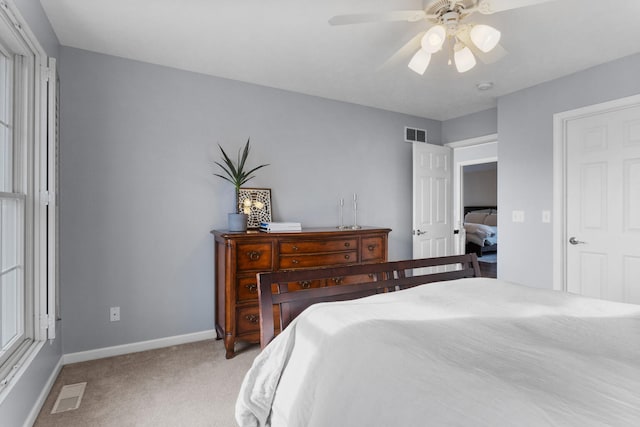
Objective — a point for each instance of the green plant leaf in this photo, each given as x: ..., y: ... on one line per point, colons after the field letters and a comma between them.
x: 235, y: 172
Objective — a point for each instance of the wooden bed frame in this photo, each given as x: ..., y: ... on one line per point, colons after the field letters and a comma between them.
x: 279, y: 304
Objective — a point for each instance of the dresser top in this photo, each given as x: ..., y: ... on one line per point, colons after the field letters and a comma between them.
x: 310, y: 231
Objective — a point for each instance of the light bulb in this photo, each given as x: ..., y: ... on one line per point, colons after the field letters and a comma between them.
x: 463, y: 58
x: 433, y: 39
x: 420, y: 62
x: 485, y: 37
x: 258, y: 205
x: 246, y: 202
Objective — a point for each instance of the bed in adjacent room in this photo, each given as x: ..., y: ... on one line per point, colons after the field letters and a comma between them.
x: 466, y: 351
x: 481, y: 229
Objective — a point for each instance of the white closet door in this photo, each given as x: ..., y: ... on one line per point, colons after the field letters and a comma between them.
x: 603, y: 205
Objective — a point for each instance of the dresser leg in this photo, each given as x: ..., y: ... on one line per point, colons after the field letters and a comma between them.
x: 219, y: 332
x: 229, y: 344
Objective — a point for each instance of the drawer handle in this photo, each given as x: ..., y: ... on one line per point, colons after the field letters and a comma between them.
x: 252, y: 318
x: 252, y: 288
x: 337, y: 280
x: 347, y: 256
x: 305, y: 284
x: 254, y: 255
x: 371, y: 247
x: 295, y: 261
x: 295, y: 248
x: 347, y: 244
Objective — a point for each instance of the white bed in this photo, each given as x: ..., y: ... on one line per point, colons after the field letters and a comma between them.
x: 481, y: 230
x: 468, y: 352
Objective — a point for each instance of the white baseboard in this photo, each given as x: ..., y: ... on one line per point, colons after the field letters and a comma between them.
x: 99, y: 353
x: 37, y: 406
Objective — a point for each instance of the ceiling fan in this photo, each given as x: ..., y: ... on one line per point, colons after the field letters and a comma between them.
x: 448, y: 19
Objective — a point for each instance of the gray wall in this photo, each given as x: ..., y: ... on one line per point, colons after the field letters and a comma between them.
x: 138, y: 197
x: 470, y: 126
x: 525, y: 167
x: 481, y: 188
x: 17, y: 405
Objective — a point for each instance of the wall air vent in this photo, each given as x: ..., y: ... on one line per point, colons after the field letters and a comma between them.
x: 415, y: 135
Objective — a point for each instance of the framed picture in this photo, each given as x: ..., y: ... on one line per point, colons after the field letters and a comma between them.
x: 255, y: 202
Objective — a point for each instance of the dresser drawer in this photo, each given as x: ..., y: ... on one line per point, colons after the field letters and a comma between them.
x: 361, y: 278
x: 247, y: 289
x: 316, y: 246
x: 372, y: 248
x: 303, y: 261
x: 248, y: 319
x: 253, y: 256
x: 306, y: 284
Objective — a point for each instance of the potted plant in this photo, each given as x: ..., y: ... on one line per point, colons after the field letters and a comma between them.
x: 235, y: 173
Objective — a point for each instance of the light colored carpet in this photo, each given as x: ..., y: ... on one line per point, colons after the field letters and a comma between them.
x: 185, y: 385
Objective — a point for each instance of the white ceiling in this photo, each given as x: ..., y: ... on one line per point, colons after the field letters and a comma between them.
x: 288, y: 44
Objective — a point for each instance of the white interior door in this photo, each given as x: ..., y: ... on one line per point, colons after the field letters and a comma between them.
x: 432, y: 201
x: 603, y: 205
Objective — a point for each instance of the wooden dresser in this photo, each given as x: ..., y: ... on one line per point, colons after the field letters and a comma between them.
x: 239, y: 256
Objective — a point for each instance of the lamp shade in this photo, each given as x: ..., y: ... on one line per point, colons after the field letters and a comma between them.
x: 463, y: 58
x: 420, y: 61
x: 485, y: 37
x: 433, y: 39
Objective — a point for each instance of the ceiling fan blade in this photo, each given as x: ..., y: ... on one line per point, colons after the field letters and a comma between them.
x: 403, y: 54
x: 488, y: 7
x: 398, y: 15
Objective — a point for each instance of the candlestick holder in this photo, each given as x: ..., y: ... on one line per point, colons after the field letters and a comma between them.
x: 340, y: 214
x: 355, y: 225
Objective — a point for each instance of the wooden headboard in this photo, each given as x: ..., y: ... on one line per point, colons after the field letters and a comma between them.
x: 284, y: 294
x: 467, y: 209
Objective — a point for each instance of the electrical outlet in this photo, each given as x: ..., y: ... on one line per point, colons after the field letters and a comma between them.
x: 546, y: 216
x: 114, y: 314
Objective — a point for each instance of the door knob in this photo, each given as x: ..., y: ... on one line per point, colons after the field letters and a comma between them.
x: 574, y: 241
x: 419, y: 232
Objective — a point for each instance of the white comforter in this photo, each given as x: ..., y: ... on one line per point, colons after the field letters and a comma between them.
x: 470, y: 352
x: 480, y: 234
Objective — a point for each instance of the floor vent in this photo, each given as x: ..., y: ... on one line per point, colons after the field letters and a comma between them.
x: 69, y: 398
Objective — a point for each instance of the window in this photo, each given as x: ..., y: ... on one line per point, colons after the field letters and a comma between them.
x: 15, y: 328
x: 27, y: 214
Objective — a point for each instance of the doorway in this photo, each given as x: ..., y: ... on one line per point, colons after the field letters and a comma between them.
x: 476, y: 158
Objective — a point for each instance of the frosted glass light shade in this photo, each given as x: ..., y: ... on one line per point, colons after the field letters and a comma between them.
x: 485, y: 37
x: 463, y: 58
x: 433, y: 40
x: 420, y: 62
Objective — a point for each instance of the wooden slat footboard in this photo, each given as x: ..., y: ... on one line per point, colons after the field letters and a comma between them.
x: 352, y: 282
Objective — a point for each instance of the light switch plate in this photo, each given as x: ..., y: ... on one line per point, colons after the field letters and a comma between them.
x: 517, y: 216
x: 546, y: 216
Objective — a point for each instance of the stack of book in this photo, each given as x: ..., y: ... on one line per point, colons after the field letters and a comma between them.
x: 280, y: 226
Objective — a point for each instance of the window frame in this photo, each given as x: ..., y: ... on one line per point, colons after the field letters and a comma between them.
x: 35, y: 176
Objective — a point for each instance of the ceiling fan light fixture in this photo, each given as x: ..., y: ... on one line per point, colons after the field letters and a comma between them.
x: 463, y: 58
x: 485, y: 37
x: 420, y: 61
x: 434, y: 39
